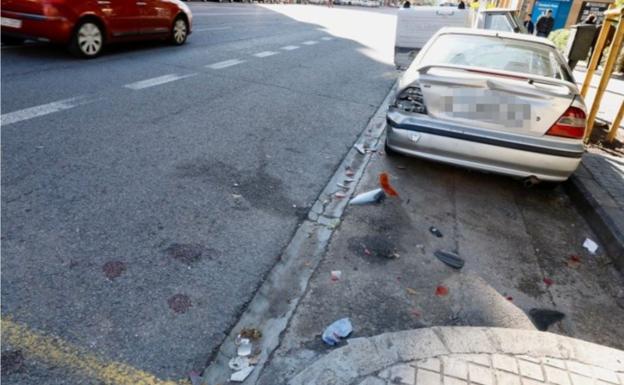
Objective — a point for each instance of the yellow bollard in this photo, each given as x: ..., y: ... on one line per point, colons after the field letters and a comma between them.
x: 616, y: 124
x: 593, y: 63
x: 616, y: 45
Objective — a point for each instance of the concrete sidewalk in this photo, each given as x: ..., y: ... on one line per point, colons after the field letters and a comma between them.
x: 467, y: 355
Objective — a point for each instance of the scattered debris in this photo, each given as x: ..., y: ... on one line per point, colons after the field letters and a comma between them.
x: 254, y: 360
x: 340, y: 195
x: 187, y: 253
x: 251, y: 333
x: 179, y: 303
x: 367, y: 251
x: 195, y: 378
x: 509, y: 298
x: 336, y: 275
x: 451, y: 259
x: 360, y: 148
x: 544, y: 318
x: 342, y: 186
x: 574, y: 261
x: 373, y: 196
x: 548, y: 282
x: 441, y: 291
x: 238, y: 363
x: 349, y: 180
x: 244, y: 348
x: 237, y: 196
x: 349, y: 171
x: 434, y: 230
x: 113, y: 269
x: 590, y: 245
x: 411, y: 291
x: 384, y: 182
x: 241, y: 375
x: 336, y: 331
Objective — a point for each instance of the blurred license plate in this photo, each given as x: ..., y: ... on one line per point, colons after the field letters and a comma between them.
x: 8, y: 22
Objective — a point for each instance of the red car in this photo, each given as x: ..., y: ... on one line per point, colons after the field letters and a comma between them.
x: 86, y: 26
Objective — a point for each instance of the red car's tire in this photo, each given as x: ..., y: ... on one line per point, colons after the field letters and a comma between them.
x: 179, y: 30
x: 88, y: 39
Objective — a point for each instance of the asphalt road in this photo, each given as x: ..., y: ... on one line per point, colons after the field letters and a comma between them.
x: 138, y: 219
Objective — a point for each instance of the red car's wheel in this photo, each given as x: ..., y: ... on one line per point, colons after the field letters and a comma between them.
x: 88, y: 39
x: 179, y: 31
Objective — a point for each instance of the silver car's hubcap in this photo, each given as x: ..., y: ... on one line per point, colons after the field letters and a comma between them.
x: 179, y: 31
x: 90, y: 39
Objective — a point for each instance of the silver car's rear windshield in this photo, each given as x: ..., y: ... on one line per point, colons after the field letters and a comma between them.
x: 497, y: 53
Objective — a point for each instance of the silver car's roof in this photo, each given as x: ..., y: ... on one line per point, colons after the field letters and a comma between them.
x: 489, y: 32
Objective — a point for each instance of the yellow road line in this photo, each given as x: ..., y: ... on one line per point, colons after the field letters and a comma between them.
x: 54, y: 351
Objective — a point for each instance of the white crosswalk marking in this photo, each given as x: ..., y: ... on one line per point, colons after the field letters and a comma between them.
x: 327, y: 38
x: 310, y: 42
x: 290, y: 47
x: 225, y: 64
x: 156, y: 81
x: 44, y: 109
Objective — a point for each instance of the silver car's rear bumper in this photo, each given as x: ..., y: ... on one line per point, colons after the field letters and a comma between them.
x: 494, y: 152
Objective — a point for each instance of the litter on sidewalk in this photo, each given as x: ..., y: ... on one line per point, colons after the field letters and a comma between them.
x: 336, y: 331
x: 244, y: 349
x: 544, y: 318
x: 451, y: 259
x: 384, y: 182
x: 590, y: 245
x: 241, y: 375
x: 373, y: 196
x: 336, y: 275
x: 434, y: 230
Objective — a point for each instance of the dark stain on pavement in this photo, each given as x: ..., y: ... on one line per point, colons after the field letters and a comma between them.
x: 113, y: 269
x: 530, y: 285
x: 179, y: 303
x: 12, y: 362
x: 373, y: 248
x: 185, y: 253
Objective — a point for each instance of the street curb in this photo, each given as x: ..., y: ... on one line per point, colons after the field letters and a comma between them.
x: 582, y: 191
x: 365, y: 356
x: 274, y: 304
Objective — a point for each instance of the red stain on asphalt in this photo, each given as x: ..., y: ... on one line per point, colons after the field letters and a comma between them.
x: 441, y: 291
x: 113, y: 269
x: 384, y: 181
x: 548, y: 282
x: 509, y: 298
x: 574, y: 261
x: 179, y: 303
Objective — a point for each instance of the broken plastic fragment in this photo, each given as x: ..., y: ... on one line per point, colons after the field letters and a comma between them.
x: 372, y: 196
x: 543, y: 318
x: 340, y: 195
x: 342, y: 186
x: 451, y: 259
x: 441, y: 291
x: 241, y: 375
x: 434, y: 230
x: 349, y: 172
x: 336, y: 275
x: 360, y: 148
x: 238, y: 363
x: 384, y: 182
x: 251, y: 333
x: 411, y: 291
x: 244, y: 349
x: 337, y: 330
x: 590, y: 245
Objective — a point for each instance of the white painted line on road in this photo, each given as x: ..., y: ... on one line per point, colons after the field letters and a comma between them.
x: 156, y: 81
x: 225, y: 64
x: 265, y: 53
x: 327, y: 38
x: 44, y: 109
x: 290, y: 47
x: 210, y: 29
x: 310, y: 42
x: 232, y: 14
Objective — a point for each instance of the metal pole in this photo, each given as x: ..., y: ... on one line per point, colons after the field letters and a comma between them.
x: 616, y: 124
x: 616, y: 45
x: 593, y: 63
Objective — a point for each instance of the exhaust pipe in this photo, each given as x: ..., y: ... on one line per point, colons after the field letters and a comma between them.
x: 530, y: 181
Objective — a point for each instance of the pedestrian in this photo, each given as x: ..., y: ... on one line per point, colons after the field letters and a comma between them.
x: 591, y: 19
x: 545, y: 24
x: 330, y: 3
x: 475, y: 5
x: 407, y: 4
x: 528, y: 24
x: 461, y: 5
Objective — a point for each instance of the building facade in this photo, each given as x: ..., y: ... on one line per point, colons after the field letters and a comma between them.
x: 565, y: 12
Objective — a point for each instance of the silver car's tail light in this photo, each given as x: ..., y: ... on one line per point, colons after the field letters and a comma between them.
x: 411, y: 100
x: 570, y: 125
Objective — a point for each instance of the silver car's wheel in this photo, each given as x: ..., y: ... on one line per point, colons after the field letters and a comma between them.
x: 179, y: 31
x: 90, y: 39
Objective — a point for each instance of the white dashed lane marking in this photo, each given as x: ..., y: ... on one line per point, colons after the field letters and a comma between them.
x: 310, y: 42
x: 225, y: 64
x: 44, y: 109
x: 156, y: 81
x: 327, y: 38
x: 265, y: 53
x: 210, y: 29
x: 290, y: 47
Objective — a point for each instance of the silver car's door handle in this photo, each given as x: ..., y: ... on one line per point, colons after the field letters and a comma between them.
x: 140, y: 3
x: 103, y: 2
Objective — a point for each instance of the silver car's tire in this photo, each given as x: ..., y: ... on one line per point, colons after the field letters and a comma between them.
x: 179, y: 31
x: 388, y: 150
x: 88, y: 39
